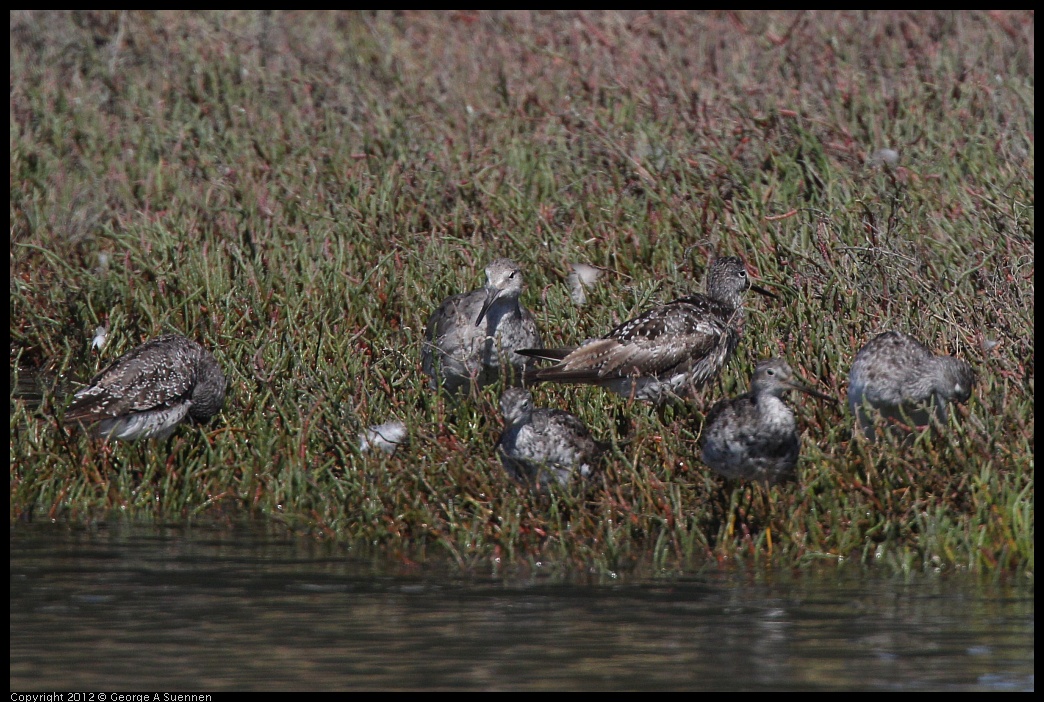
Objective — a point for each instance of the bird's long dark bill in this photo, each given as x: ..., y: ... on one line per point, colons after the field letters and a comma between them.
x: 809, y: 391
x: 546, y: 354
x: 762, y: 291
x: 491, y: 295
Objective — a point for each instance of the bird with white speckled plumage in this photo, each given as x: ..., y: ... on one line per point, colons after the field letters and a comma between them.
x: 151, y: 389
x: 754, y: 436
x: 539, y: 446
x: 897, y: 380
x: 666, y: 352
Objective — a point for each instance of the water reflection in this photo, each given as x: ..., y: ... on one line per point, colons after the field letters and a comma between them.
x: 132, y: 608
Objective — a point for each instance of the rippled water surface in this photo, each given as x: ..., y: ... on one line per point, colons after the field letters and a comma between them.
x: 138, y: 608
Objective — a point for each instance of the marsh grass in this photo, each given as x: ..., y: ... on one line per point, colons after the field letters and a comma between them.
x: 298, y: 191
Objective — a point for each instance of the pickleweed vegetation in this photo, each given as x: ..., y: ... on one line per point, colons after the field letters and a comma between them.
x: 298, y: 191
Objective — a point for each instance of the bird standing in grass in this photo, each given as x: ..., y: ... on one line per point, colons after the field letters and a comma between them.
x: 471, y: 334
x: 666, y: 352
x: 899, y: 379
x: 151, y: 389
x: 539, y: 446
x: 754, y: 436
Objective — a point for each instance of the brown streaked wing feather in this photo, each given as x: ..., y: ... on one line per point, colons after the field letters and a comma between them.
x: 654, y: 359
x: 84, y: 407
x: 682, y: 316
x: 606, y: 359
x: 590, y: 355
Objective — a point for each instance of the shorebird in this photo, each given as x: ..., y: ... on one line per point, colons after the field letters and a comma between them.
x: 900, y: 379
x: 471, y: 334
x: 149, y: 390
x: 666, y: 351
x: 542, y: 445
x: 754, y: 436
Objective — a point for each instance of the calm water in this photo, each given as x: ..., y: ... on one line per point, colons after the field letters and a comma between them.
x: 136, y: 608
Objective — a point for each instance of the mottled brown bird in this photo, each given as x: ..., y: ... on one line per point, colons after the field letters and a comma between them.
x: 151, y: 389
x: 665, y: 352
